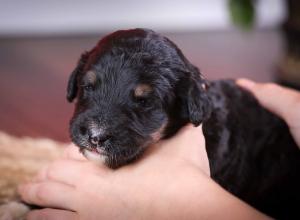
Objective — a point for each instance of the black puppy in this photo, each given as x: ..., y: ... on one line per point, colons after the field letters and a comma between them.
x: 136, y: 87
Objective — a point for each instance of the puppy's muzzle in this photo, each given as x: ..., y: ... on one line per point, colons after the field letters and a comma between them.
x: 98, y: 136
x: 98, y: 140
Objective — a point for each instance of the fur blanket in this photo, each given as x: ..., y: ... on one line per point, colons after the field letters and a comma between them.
x: 20, y: 159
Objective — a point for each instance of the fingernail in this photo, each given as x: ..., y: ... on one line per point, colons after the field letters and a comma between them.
x: 247, y: 83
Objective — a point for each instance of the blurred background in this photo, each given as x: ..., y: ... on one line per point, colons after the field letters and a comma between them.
x: 41, y: 41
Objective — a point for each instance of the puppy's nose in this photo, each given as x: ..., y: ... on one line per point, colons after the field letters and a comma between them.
x: 98, y: 137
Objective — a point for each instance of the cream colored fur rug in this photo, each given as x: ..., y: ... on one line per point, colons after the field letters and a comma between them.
x: 20, y: 159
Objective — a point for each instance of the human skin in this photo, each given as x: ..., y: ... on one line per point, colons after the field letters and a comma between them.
x: 171, y: 181
x: 282, y: 101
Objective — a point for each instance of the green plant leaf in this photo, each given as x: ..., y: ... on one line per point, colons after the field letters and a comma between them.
x: 242, y: 13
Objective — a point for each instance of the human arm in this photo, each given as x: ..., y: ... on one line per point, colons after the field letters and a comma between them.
x: 171, y: 181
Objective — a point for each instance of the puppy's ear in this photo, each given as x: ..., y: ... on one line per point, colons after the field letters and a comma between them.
x: 197, y: 103
x: 72, y: 84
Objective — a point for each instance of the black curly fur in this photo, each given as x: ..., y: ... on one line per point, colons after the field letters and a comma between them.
x: 252, y: 153
x: 250, y: 150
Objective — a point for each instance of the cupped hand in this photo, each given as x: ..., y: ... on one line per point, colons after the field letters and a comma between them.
x: 171, y: 181
x: 161, y: 185
x: 282, y: 101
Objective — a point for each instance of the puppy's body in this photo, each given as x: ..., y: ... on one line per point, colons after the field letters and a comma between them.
x: 136, y: 87
x: 251, y: 152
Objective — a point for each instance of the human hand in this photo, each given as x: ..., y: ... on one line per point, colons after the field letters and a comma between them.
x: 171, y: 181
x: 282, y: 101
x: 161, y: 185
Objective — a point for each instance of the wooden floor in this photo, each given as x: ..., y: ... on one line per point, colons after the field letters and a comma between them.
x: 34, y: 72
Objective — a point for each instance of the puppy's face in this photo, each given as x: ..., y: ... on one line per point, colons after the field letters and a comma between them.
x: 134, y: 88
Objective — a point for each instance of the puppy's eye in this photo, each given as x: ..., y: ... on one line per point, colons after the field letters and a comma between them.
x: 143, y: 102
x: 88, y: 87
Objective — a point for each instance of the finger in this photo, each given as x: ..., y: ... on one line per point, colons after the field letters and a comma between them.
x: 189, y: 138
x: 70, y: 171
x: 282, y: 101
x: 49, y: 194
x: 52, y: 214
x: 187, y: 144
x: 192, y: 146
x: 72, y: 152
x: 41, y: 176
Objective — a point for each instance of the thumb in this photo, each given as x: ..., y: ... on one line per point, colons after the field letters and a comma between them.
x: 281, y: 101
x: 187, y: 144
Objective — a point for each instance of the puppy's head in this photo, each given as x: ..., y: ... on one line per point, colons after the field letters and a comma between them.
x: 134, y: 88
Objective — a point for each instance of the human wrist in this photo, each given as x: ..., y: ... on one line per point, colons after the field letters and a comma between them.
x: 217, y: 203
x: 179, y: 199
x: 200, y: 197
